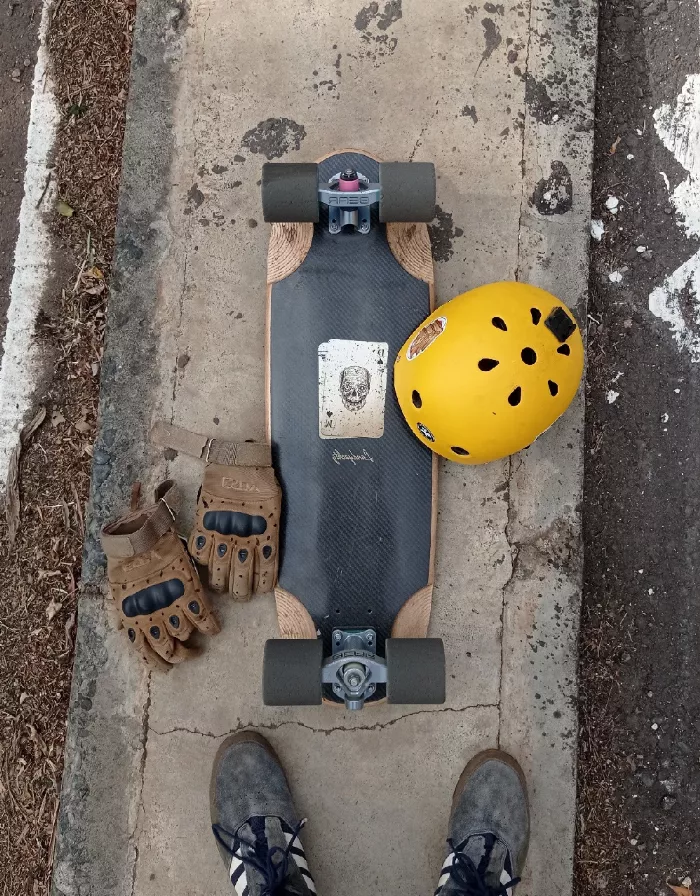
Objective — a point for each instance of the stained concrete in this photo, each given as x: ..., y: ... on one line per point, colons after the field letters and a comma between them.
x: 500, y: 98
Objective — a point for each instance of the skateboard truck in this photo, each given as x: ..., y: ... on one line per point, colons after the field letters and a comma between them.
x: 293, y: 192
x: 354, y: 670
x: 349, y: 196
x: 295, y: 672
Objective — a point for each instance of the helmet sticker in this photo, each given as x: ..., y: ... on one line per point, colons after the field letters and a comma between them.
x: 426, y: 336
x: 425, y: 432
x: 560, y: 324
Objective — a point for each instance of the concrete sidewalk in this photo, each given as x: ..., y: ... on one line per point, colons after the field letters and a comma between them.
x: 500, y: 97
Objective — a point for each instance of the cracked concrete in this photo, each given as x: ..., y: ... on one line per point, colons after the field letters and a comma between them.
x: 271, y: 726
x: 376, y: 786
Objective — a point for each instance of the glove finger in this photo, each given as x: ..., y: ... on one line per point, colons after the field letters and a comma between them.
x: 265, y: 567
x: 182, y: 653
x: 220, y: 563
x: 198, y: 611
x: 177, y: 624
x: 149, y: 656
x: 242, y: 571
x: 158, y: 637
x: 200, y: 544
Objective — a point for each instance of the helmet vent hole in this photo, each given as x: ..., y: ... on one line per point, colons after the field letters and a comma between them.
x: 528, y: 355
x: 515, y: 396
x: 461, y: 451
x: 553, y: 387
x: 499, y: 323
x: 416, y: 399
x: 536, y: 315
x: 487, y: 364
x: 563, y: 350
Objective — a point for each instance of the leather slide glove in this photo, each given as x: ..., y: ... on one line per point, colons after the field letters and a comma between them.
x: 236, y: 529
x: 154, y: 583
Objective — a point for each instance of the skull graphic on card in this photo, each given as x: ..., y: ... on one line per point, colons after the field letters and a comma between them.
x: 351, y: 389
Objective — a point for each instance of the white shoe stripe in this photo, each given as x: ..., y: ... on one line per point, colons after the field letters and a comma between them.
x: 238, y: 876
x: 297, y: 851
x: 309, y: 880
x: 445, y: 872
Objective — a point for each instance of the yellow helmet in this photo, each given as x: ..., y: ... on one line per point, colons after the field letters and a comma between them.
x: 489, y: 371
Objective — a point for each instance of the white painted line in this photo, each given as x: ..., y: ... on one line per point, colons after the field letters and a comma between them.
x: 19, y: 366
x: 677, y: 300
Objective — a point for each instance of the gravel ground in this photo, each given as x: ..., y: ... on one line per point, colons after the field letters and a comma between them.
x: 90, y: 46
x: 639, y: 761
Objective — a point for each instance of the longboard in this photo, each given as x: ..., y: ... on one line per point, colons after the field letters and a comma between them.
x: 359, y: 490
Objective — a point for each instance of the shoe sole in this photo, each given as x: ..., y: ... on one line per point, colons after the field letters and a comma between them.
x: 243, y: 737
x: 473, y: 765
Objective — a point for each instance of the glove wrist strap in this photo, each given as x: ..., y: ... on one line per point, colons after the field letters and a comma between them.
x: 211, y: 451
x: 138, y: 532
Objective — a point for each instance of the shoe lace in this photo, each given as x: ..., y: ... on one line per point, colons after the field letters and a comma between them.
x: 264, y: 859
x: 469, y: 879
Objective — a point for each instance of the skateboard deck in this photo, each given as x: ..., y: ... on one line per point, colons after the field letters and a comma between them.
x: 359, y: 490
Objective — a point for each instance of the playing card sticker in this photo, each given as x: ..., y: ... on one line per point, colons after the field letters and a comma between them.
x: 351, y: 389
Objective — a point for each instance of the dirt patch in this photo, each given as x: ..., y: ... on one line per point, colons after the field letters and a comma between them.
x: 274, y: 137
x: 639, y: 775
x: 90, y: 46
x: 443, y: 233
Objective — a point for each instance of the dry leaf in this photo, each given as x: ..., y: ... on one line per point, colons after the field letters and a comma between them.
x: 12, y: 499
x: 52, y: 609
x: 13, y: 507
x: 33, y: 425
x: 57, y: 418
x: 82, y: 425
x: 70, y: 623
x: 78, y: 510
x: 64, y: 209
x: 680, y: 891
x: 613, y: 148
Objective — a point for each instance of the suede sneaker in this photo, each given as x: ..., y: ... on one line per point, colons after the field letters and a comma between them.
x: 489, y: 829
x: 254, y: 820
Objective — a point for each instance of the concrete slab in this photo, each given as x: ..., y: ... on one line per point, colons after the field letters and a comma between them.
x: 499, y: 96
x: 347, y: 786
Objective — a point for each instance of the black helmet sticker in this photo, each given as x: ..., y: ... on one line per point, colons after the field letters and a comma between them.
x: 560, y: 324
x: 424, y: 431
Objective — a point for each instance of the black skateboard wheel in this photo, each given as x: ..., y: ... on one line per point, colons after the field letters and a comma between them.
x: 408, y: 191
x: 292, y: 672
x: 290, y: 192
x: 415, y: 670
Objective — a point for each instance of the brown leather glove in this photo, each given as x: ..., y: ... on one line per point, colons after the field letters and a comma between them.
x: 236, y: 529
x: 154, y: 583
